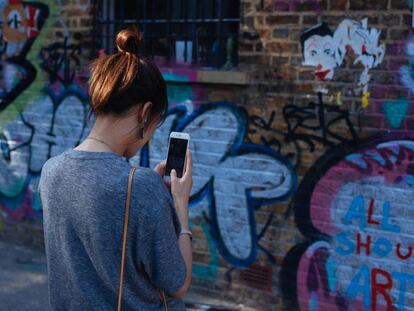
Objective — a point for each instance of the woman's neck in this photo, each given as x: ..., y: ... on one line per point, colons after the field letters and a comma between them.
x: 109, y: 134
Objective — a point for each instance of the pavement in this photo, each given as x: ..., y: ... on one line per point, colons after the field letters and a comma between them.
x: 23, y: 284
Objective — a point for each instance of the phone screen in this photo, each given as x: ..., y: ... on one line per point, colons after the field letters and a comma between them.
x: 176, y: 156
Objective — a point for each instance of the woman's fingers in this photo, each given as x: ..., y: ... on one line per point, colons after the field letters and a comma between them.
x: 189, y: 163
x: 173, y: 175
x: 160, y: 167
x: 167, y: 183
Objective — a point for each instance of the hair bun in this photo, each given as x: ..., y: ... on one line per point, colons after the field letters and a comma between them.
x: 129, y: 40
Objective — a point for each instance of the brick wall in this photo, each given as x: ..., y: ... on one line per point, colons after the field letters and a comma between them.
x: 303, y: 176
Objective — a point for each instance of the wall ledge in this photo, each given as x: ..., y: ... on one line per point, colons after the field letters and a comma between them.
x: 205, y: 76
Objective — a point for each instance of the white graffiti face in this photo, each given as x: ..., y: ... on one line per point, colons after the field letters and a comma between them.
x: 326, y: 52
x: 364, y: 42
x: 234, y: 175
x: 319, y: 51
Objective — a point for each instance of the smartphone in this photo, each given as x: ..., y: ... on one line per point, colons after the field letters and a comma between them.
x: 176, y: 157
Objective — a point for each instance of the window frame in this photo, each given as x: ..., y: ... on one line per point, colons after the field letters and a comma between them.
x: 222, y: 54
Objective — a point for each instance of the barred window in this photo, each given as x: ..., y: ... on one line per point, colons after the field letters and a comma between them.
x: 179, y: 33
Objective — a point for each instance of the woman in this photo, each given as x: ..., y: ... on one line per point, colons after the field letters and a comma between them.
x: 83, y: 193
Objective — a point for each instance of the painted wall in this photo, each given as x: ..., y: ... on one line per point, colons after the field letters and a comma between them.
x: 303, y: 178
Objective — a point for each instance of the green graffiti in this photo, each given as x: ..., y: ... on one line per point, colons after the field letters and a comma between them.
x: 14, y: 189
x: 179, y: 93
x: 396, y: 111
x: 209, y: 272
x: 410, y: 3
x: 29, y: 95
x: 37, y: 203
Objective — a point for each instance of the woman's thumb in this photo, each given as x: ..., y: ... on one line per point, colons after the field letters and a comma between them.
x: 173, y: 174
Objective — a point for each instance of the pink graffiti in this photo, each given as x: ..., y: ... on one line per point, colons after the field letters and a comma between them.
x: 295, y: 5
x: 359, y: 203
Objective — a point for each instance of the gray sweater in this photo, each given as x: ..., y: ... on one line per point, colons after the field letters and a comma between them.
x: 83, y: 196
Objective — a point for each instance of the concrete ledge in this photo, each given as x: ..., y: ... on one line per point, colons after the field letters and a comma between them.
x: 179, y: 75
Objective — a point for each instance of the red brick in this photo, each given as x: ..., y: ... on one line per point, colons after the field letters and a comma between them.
x: 340, y: 5
x: 282, y: 19
x: 368, y: 4
x: 282, y: 47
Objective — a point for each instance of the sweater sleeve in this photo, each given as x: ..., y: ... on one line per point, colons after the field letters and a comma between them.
x: 162, y: 257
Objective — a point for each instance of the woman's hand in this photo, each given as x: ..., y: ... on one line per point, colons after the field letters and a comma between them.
x: 181, y: 187
x: 160, y: 169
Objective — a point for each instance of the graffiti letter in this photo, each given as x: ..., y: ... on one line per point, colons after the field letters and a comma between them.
x: 344, y: 239
x: 360, y: 244
x: 370, y: 212
x: 386, y: 218
x: 403, y: 278
x: 382, y: 247
x: 357, y: 210
x: 381, y: 287
x: 406, y: 256
x: 355, y: 287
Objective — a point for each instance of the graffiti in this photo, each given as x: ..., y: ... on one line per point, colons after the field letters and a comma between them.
x: 353, y: 206
x: 22, y: 23
x: 40, y: 132
x: 297, y: 5
x: 272, y: 137
x: 406, y: 72
x: 179, y: 93
x: 326, y: 50
x: 320, y: 119
x: 313, y: 124
x: 60, y: 60
x: 396, y: 111
x: 231, y: 178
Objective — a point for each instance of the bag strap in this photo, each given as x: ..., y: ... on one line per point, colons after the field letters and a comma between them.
x: 126, y: 218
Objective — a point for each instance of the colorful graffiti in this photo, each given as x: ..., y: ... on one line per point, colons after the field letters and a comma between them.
x: 326, y: 50
x: 398, y: 108
x: 41, y: 129
x: 231, y: 178
x: 297, y: 5
x: 22, y: 23
x: 354, y: 207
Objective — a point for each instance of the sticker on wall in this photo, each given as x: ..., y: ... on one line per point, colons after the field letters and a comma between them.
x: 14, y: 22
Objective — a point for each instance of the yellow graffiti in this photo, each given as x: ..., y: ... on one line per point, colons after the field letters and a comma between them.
x: 365, y: 97
x: 339, y: 99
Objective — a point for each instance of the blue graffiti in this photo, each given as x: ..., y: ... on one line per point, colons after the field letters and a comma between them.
x: 235, y: 178
x: 396, y: 111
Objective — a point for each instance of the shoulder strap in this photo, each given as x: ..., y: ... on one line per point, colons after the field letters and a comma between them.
x: 126, y: 218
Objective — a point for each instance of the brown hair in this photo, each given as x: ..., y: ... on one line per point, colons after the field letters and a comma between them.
x: 122, y: 80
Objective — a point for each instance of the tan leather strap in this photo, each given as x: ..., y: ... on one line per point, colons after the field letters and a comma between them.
x: 126, y: 218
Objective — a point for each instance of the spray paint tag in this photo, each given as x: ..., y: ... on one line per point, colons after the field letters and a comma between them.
x: 365, y: 101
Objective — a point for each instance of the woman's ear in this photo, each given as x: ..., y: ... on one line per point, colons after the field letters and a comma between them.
x: 144, y: 112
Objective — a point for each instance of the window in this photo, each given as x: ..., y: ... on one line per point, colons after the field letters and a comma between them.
x: 179, y: 33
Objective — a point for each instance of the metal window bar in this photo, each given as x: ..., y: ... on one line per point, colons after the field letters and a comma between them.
x: 206, y: 24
